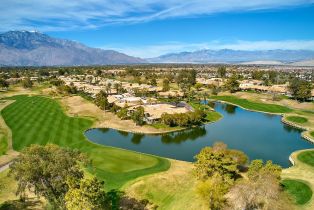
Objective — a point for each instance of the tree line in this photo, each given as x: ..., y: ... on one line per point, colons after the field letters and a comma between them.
x: 188, y: 119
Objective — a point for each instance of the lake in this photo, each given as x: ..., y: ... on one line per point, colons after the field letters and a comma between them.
x: 259, y: 135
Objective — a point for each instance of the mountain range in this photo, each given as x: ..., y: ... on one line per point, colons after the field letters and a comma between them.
x: 236, y: 56
x: 25, y: 48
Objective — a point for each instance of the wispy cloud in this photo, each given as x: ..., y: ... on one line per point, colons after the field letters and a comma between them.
x: 174, y: 47
x: 52, y: 15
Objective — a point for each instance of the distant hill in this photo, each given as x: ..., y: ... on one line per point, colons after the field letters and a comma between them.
x: 24, y: 48
x: 235, y: 56
x: 304, y: 63
x: 265, y: 62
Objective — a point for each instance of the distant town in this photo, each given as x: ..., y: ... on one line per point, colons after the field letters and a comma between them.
x: 139, y: 127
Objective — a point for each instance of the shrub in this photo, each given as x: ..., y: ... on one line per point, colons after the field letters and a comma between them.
x: 183, y: 119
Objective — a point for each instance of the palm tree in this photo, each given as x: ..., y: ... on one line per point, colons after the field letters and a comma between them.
x: 109, y: 86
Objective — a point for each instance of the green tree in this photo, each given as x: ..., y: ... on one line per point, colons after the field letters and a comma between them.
x: 27, y: 83
x: 169, y: 77
x: 272, y: 76
x: 45, y: 169
x: 232, y: 84
x: 222, y: 71
x: 57, y: 82
x: 3, y: 84
x: 43, y: 73
x: 123, y: 113
x: 215, y: 90
x: 258, y: 75
x: 167, y: 119
x: 138, y: 115
x: 61, y: 71
x: 15, y: 75
x: 165, y: 85
x: 198, y: 86
x: 153, y: 82
x: 300, y: 89
x: 213, y: 191
x: 218, y: 159
x: 98, y: 73
x: 186, y: 79
x: 192, y: 77
x: 118, y: 87
x: 67, y: 89
x: 258, y: 168
x: 101, y: 100
x: 87, y: 194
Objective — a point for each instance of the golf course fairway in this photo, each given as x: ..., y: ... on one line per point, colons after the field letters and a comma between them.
x: 41, y: 120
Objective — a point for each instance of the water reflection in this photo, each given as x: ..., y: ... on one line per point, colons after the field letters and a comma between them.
x: 123, y: 133
x: 104, y: 130
x: 230, y: 109
x: 137, y: 138
x: 291, y: 129
x: 270, y: 116
x: 259, y: 135
x: 182, y: 136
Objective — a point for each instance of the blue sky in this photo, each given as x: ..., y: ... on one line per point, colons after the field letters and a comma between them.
x: 148, y: 28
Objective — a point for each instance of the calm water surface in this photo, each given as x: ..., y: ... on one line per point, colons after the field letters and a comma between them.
x: 260, y: 136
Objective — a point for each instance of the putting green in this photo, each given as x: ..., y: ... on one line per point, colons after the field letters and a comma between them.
x: 297, y: 119
x: 299, y: 190
x: 41, y: 120
x: 307, y: 157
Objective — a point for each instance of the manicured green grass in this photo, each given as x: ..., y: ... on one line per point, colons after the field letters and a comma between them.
x: 300, y: 191
x: 271, y: 108
x: 297, y: 119
x: 41, y: 120
x: 164, y: 126
x: 307, y: 157
x: 213, y: 116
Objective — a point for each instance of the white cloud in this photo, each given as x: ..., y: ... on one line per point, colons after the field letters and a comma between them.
x: 149, y: 51
x: 48, y: 15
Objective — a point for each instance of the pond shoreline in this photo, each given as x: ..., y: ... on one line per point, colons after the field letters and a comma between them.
x: 153, y: 132
x: 283, y: 120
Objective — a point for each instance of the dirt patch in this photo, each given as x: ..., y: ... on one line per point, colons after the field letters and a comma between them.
x: 17, y: 91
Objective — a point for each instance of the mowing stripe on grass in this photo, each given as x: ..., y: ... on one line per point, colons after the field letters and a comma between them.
x: 39, y: 120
